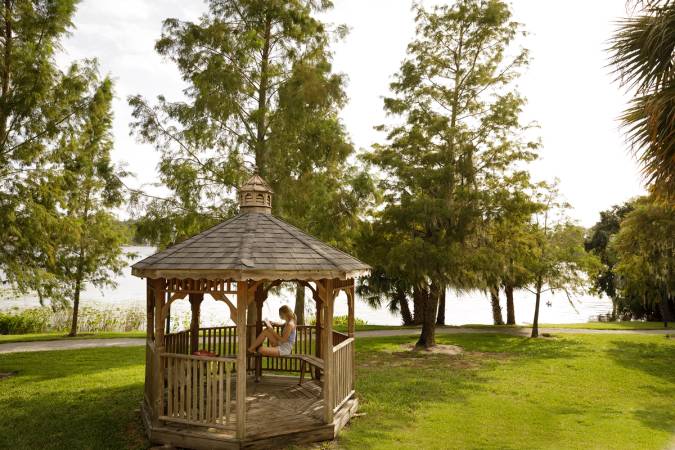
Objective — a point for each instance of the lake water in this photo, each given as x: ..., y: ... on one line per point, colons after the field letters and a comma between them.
x: 460, y: 309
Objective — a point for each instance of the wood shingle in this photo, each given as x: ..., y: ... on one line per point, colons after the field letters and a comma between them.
x: 252, y: 245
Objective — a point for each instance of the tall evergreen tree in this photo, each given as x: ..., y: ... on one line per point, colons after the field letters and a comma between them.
x: 260, y: 89
x: 459, y: 133
x: 89, y: 248
x: 38, y: 104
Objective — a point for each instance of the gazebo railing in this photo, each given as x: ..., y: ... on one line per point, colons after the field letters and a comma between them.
x: 343, y: 372
x: 198, y: 390
x: 178, y: 342
x: 223, y: 341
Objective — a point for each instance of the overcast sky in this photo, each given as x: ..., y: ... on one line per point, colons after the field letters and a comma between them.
x: 570, y: 91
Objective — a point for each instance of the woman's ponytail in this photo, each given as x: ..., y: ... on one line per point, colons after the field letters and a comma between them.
x: 287, y: 312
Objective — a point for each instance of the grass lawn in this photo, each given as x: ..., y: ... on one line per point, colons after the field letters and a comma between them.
x: 507, y: 392
x: 633, y: 325
x: 7, y: 338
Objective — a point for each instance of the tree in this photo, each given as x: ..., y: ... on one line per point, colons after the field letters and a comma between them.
x: 558, y: 261
x: 458, y: 131
x: 89, y: 250
x: 502, y: 243
x: 598, y: 243
x: 642, y: 52
x: 38, y: 105
x: 260, y: 90
x: 645, y: 255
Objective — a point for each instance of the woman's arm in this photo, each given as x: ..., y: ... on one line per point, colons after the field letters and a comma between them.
x: 287, y: 332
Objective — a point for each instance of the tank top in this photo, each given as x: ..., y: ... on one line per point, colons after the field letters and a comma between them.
x: 291, y: 337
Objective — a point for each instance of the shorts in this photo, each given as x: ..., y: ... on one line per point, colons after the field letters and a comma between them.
x: 285, y: 349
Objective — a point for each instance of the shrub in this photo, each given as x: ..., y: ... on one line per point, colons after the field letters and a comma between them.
x: 92, y: 320
x: 339, y: 321
x: 34, y: 320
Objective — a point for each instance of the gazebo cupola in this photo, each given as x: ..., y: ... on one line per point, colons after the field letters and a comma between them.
x: 255, y: 196
x: 202, y: 388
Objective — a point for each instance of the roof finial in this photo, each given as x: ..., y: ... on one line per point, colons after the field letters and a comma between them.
x: 255, y: 195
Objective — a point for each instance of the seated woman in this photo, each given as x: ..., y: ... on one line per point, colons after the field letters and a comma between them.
x: 279, y: 344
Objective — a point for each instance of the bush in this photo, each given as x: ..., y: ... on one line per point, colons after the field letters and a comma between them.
x: 34, y: 320
x: 339, y: 321
x: 92, y: 320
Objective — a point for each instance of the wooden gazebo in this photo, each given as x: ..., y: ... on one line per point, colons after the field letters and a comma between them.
x: 202, y: 389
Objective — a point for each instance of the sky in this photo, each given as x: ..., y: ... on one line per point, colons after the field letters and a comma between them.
x: 570, y: 91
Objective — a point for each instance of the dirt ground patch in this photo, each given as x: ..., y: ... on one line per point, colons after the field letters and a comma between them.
x: 438, y: 349
x: 4, y: 375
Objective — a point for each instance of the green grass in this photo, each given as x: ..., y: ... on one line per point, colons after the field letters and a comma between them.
x: 75, y: 399
x: 633, y: 325
x: 8, y: 338
x: 580, y: 326
x: 506, y: 392
x: 343, y: 328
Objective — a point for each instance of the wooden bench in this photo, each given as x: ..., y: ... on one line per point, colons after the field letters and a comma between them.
x: 305, y: 361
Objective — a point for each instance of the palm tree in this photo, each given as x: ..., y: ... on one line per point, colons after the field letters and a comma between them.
x: 642, y: 52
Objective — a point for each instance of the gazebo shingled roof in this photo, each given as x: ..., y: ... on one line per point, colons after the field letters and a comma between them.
x: 254, y: 246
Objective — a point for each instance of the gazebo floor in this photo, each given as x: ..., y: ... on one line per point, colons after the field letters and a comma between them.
x: 279, y: 412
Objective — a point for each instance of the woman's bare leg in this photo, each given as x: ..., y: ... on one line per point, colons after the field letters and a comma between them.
x: 269, y: 351
x: 266, y: 334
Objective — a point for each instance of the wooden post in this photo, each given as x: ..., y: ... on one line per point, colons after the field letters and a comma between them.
x: 157, y: 286
x: 149, y: 344
x: 319, y: 343
x: 150, y: 297
x: 242, y: 304
x: 350, y: 311
x: 260, y: 296
x: 195, y: 307
x: 168, y: 317
x: 327, y: 339
x: 351, y: 299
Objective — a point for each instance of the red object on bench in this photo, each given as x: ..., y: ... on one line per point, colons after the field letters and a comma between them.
x: 204, y: 353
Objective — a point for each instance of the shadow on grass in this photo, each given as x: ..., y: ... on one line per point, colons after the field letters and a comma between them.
x: 657, y: 361
x: 74, y: 418
x: 42, y: 366
x: 651, y: 358
x: 395, y: 386
x: 72, y: 399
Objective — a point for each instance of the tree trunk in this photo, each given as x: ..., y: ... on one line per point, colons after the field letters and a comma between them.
x: 76, y: 309
x: 418, y: 305
x: 440, y: 318
x: 168, y: 321
x: 666, y: 311
x: 402, y: 301
x: 299, y: 304
x: 195, y: 307
x: 427, y: 338
x: 261, y: 123
x: 496, y: 308
x: 510, y: 308
x: 6, y: 70
x: 535, y: 321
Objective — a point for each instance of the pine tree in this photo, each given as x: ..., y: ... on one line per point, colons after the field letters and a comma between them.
x: 458, y: 134
x: 38, y: 105
x: 89, y: 248
x: 261, y: 90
